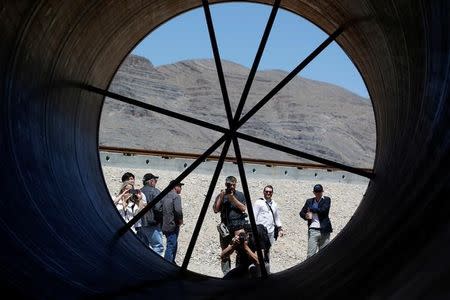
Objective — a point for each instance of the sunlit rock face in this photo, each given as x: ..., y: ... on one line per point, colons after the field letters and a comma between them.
x: 315, y: 117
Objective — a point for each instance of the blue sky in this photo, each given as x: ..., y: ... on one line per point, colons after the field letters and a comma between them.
x: 239, y: 28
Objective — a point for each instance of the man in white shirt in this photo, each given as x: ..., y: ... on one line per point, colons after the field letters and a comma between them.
x: 266, y: 213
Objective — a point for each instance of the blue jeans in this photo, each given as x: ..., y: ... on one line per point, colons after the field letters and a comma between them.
x: 172, y: 245
x: 155, y: 240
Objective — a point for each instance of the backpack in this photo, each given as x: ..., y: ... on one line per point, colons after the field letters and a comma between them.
x: 263, y: 235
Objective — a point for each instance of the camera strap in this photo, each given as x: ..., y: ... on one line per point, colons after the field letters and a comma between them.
x: 225, y: 206
x: 270, y: 208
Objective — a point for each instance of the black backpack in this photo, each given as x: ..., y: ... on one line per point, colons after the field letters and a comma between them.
x: 263, y: 235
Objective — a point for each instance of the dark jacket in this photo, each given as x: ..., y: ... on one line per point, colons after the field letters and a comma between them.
x: 172, y: 212
x: 322, y: 211
x: 153, y: 216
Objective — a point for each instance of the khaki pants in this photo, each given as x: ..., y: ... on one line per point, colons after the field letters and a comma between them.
x: 316, y: 241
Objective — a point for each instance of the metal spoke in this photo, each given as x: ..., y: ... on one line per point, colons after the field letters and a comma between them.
x: 290, y: 76
x: 205, y: 206
x: 231, y: 134
x: 301, y: 154
x: 180, y: 177
x: 154, y: 108
x: 248, y: 200
x: 215, y: 49
x: 256, y: 61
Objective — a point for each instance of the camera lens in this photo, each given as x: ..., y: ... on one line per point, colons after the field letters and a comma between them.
x: 242, y: 237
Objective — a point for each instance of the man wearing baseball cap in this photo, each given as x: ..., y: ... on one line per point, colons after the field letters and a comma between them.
x: 316, y: 211
x: 172, y: 220
x: 151, y: 221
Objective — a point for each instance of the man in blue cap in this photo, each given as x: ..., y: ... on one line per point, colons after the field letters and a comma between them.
x: 316, y: 211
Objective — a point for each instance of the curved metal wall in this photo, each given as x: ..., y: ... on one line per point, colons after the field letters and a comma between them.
x: 58, y: 225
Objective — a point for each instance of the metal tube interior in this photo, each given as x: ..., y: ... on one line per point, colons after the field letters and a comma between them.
x: 58, y: 225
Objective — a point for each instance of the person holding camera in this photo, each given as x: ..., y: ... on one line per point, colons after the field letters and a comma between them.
x: 152, y: 220
x: 267, y: 213
x: 232, y: 206
x: 129, y: 202
x: 316, y: 211
x: 243, y: 243
x: 129, y: 177
x: 246, y: 257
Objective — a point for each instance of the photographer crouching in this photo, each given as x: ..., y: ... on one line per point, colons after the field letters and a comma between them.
x: 243, y: 242
x: 231, y: 205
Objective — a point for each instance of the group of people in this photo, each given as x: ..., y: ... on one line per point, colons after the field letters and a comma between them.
x: 236, y: 236
x: 164, y: 218
x: 235, y: 233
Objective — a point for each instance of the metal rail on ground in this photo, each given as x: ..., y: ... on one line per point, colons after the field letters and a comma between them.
x: 189, y: 155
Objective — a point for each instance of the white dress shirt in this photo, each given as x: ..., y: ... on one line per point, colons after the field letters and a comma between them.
x: 263, y: 215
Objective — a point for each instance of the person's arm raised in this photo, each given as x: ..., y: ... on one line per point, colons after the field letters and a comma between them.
x: 239, y: 205
x: 217, y: 207
x: 119, y: 197
x: 230, y: 248
x: 250, y: 253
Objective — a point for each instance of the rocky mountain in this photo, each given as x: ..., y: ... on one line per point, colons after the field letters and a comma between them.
x: 307, y: 115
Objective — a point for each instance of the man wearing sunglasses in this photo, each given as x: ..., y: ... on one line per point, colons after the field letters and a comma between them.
x: 267, y: 213
x: 316, y: 211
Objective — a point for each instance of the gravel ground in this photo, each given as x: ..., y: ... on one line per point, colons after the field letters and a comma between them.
x: 290, y: 195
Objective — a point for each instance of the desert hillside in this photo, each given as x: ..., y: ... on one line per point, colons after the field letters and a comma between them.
x: 311, y: 116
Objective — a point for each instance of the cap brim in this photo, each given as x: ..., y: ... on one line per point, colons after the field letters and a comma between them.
x: 177, y: 184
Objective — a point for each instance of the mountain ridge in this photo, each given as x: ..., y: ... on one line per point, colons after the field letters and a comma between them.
x: 318, y: 118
